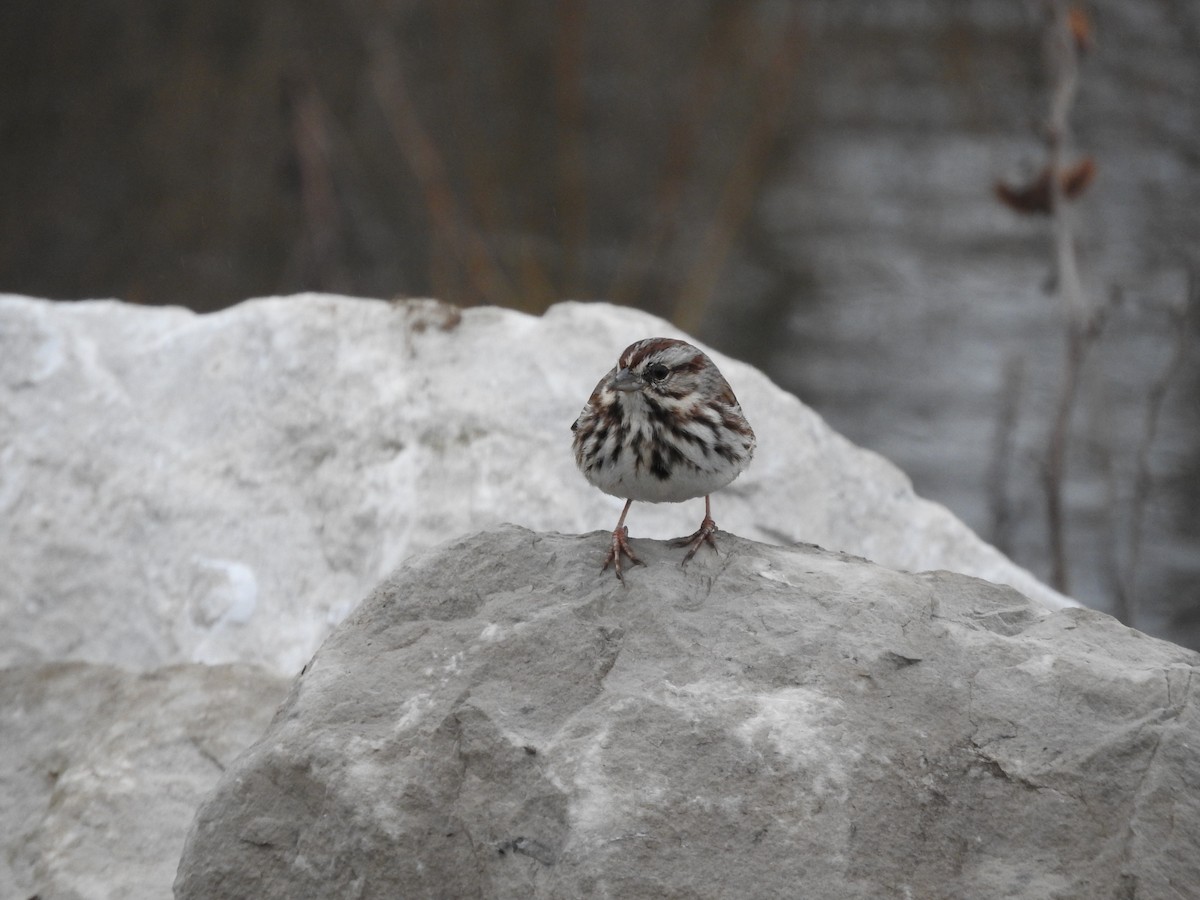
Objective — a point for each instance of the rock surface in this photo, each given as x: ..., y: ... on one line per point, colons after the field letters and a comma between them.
x: 500, y: 720
x: 223, y: 488
x: 101, y: 770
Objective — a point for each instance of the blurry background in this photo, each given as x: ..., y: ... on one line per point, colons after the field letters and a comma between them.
x: 965, y: 231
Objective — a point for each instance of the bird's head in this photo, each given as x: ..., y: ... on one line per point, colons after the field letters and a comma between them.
x: 661, y: 367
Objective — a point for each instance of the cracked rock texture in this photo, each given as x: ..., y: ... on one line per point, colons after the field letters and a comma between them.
x: 498, y: 719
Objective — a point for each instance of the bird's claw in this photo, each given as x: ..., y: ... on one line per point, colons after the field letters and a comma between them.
x: 704, y: 535
x: 620, y: 547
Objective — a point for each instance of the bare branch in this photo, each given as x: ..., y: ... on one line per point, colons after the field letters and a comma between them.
x: 1082, y: 325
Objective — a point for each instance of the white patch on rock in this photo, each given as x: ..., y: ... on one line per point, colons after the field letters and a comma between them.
x: 804, y: 726
x: 233, y: 600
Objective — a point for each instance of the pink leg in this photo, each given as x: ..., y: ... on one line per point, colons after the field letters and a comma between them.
x: 620, y: 546
x: 704, y: 534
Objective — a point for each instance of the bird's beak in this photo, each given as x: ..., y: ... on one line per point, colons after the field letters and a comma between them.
x: 625, y: 381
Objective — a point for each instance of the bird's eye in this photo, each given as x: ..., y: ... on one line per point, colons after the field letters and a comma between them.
x: 658, y: 372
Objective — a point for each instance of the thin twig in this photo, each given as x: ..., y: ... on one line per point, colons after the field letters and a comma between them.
x: 1062, y: 61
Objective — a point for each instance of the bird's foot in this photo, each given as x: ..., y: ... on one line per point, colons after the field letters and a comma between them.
x: 620, y: 547
x: 704, y: 535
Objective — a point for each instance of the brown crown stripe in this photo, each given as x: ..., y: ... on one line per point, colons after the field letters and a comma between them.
x: 646, y: 348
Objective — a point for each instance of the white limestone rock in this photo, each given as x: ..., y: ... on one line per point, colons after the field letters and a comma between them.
x: 498, y: 721
x: 101, y: 770
x: 220, y: 488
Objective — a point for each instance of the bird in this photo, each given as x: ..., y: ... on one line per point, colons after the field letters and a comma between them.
x: 663, y: 426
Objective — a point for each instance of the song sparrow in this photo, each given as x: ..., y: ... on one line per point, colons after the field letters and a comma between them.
x: 663, y: 426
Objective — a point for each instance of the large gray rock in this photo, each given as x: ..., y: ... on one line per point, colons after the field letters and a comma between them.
x: 223, y: 488
x: 500, y: 719
x: 101, y: 770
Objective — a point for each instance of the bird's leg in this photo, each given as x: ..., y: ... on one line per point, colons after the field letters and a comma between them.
x: 704, y: 534
x: 620, y: 545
